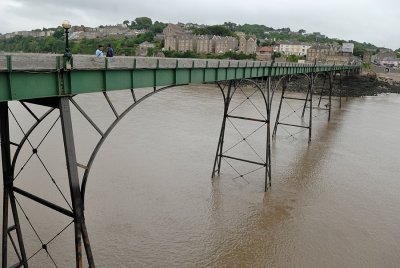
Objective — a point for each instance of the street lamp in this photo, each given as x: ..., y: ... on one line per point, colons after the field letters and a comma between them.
x: 67, y: 25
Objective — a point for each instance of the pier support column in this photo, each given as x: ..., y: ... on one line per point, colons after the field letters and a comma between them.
x: 340, y: 89
x: 322, y: 91
x: 284, y: 86
x: 8, y: 196
x: 268, y: 173
x: 76, y: 197
x: 308, y: 98
x: 228, y: 91
x: 218, y: 154
x: 312, y: 82
x: 330, y: 95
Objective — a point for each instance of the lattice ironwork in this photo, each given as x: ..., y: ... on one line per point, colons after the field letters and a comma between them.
x: 74, y: 209
x: 248, y: 89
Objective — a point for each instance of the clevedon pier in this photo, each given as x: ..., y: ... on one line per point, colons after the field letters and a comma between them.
x: 43, y: 85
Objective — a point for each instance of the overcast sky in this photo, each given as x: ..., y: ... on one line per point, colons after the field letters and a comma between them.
x: 372, y: 21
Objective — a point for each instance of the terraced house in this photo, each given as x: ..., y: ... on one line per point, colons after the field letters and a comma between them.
x: 331, y: 53
x: 294, y: 48
x: 176, y: 38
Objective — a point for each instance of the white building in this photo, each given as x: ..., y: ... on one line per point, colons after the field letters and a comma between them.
x: 348, y: 47
x: 293, y: 48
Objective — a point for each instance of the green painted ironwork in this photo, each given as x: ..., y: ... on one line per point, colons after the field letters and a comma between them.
x: 40, y: 76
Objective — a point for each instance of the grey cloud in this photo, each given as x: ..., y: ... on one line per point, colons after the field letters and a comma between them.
x: 369, y: 20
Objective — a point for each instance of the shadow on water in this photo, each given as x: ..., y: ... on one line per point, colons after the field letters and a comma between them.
x: 268, y: 228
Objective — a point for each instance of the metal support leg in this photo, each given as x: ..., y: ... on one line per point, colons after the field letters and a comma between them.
x: 311, y: 88
x: 322, y: 90
x: 218, y: 154
x: 340, y: 89
x: 268, y: 175
x: 8, y: 197
x: 307, y: 99
x: 79, y: 225
x: 330, y: 95
x: 305, y: 102
x: 284, y: 86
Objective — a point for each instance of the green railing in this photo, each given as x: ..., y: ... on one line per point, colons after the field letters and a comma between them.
x: 27, y: 76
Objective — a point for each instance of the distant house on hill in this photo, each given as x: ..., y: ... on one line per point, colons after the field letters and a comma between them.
x: 390, y: 62
x: 178, y: 39
x: 294, y: 48
x: 35, y: 33
x: 330, y: 53
x: 82, y: 32
x: 380, y: 56
x: 247, y: 46
x: 320, y: 52
x: 173, y: 33
x: 264, y: 53
x: 204, y: 44
x: 348, y: 47
x: 224, y: 44
x: 143, y: 48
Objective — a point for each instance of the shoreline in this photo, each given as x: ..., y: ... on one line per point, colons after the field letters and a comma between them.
x: 372, y: 84
x: 365, y: 84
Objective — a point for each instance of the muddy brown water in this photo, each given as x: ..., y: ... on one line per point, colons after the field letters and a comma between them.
x: 150, y: 201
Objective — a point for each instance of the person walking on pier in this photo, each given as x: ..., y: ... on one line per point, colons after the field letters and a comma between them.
x: 110, y: 51
x: 99, y: 51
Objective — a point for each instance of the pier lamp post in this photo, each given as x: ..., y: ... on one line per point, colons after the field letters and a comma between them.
x: 67, y: 25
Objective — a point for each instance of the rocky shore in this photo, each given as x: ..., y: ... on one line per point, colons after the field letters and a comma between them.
x: 365, y: 84
x: 371, y: 84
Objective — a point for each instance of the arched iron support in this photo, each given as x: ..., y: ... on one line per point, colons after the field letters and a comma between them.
x: 340, y: 88
x: 322, y: 89
x: 25, y: 138
x: 311, y: 79
x: 233, y: 85
x: 309, y: 98
x: 10, y: 193
x: 227, y: 100
x: 107, y: 132
x: 276, y: 85
x: 284, y: 86
x: 328, y: 76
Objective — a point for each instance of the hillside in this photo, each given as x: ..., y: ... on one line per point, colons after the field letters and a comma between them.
x: 127, y: 45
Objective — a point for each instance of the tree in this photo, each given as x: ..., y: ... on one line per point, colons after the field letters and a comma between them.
x: 151, y: 51
x: 256, y: 29
x: 359, y: 50
x: 285, y: 30
x: 293, y: 58
x: 277, y: 55
x: 52, y: 45
x: 214, y: 30
x: 397, y: 51
x: 158, y: 27
x: 230, y: 25
x: 147, y: 36
x: 59, y: 32
x: 143, y: 23
x: 126, y: 22
x: 302, y: 31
